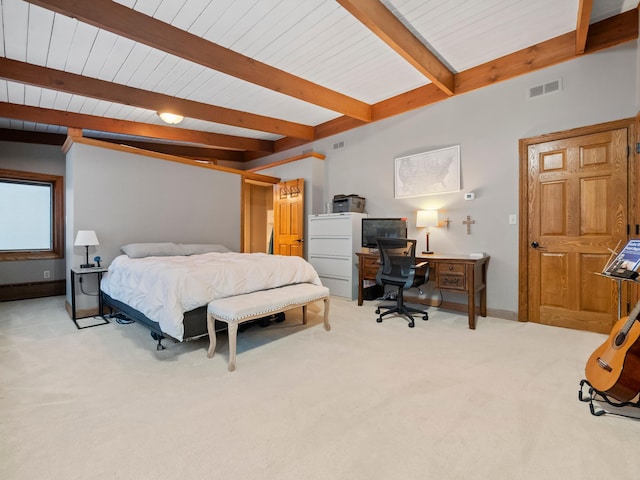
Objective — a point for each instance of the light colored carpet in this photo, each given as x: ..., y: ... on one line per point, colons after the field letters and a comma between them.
x: 364, y: 401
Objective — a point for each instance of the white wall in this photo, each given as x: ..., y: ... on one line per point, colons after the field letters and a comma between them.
x: 488, y: 125
x: 130, y: 198
x: 45, y: 159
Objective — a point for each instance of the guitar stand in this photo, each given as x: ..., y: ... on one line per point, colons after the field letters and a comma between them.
x: 621, y: 409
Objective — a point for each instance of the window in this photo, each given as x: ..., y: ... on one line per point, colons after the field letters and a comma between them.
x: 31, y: 216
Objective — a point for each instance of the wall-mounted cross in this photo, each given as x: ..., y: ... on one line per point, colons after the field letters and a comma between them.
x: 468, y: 223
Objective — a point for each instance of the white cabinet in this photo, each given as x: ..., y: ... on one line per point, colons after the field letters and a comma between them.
x: 333, y: 240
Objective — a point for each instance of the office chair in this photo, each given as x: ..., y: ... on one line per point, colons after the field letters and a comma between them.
x: 398, y: 268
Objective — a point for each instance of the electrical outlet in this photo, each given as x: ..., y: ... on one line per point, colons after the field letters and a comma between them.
x: 47, y: 274
x: 513, y: 219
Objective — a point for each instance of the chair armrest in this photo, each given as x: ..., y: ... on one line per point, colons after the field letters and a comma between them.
x: 421, y: 264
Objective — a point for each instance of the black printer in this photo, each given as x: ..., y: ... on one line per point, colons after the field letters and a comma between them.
x: 348, y: 203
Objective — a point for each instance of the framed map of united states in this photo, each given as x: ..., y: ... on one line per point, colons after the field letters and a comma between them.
x: 428, y: 173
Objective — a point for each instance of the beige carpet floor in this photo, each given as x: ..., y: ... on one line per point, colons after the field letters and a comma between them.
x: 363, y: 401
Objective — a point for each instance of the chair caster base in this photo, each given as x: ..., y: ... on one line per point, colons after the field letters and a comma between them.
x: 379, y: 319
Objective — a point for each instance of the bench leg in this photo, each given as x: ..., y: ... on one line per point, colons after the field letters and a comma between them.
x: 211, y: 328
x: 327, y: 327
x: 232, y: 333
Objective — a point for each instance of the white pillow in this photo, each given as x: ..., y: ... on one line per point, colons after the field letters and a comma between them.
x: 197, y: 249
x: 141, y: 250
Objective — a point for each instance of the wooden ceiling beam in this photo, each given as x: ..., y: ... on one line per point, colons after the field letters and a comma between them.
x: 612, y: 31
x: 188, y: 151
x: 128, y: 23
x: 377, y: 18
x: 112, y: 92
x: 26, y: 136
x: 582, y: 25
x: 58, y: 139
x: 71, y: 140
x: 125, y: 127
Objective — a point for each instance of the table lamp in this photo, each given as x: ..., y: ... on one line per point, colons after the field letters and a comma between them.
x: 426, y: 219
x: 84, y: 238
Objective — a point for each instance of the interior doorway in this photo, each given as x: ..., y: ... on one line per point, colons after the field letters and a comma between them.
x: 273, y: 217
x: 576, y: 206
x: 258, y: 222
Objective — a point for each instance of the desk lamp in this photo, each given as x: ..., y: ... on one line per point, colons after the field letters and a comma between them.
x: 84, y: 238
x: 426, y: 219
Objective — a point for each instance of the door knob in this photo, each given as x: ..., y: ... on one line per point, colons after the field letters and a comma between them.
x: 535, y: 244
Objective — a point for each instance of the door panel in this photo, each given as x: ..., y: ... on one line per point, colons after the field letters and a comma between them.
x: 553, y: 204
x: 554, y: 265
x: 594, y: 296
x: 288, y: 201
x: 577, y: 204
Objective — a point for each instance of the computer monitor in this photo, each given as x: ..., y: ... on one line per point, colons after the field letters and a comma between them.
x: 372, y: 228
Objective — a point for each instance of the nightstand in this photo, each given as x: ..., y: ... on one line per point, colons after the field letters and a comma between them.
x: 99, y: 271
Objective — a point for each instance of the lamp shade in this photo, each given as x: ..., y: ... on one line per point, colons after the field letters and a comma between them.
x: 86, y: 237
x: 427, y: 218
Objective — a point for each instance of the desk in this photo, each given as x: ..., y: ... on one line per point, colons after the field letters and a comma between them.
x: 456, y: 273
x: 85, y: 271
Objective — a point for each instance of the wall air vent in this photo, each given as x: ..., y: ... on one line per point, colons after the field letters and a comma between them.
x: 338, y: 145
x: 545, y: 89
x: 552, y: 86
x: 536, y: 91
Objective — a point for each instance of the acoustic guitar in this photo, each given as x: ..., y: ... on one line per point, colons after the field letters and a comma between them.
x: 614, y: 368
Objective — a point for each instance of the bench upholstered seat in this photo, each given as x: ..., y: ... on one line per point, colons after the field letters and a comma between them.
x: 242, y: 308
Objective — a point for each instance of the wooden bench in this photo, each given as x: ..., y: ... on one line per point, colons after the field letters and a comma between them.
x: 242, y: 308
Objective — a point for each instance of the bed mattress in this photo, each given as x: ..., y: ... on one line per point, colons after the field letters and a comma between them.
x: 164, y: 288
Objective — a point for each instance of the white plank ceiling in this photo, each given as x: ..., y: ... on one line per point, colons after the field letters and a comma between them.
x: 316, y: 40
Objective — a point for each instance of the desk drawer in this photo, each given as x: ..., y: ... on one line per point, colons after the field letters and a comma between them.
x: 370, y: 268
x: 451, y: 276
x: 447, y: 268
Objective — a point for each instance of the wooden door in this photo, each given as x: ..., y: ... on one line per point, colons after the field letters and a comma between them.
x: 288, y: 206
x: 577, y: 211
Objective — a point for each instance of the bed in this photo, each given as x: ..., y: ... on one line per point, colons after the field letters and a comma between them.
x: 167, y: 287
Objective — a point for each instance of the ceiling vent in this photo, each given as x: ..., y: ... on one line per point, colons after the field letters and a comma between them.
x: 545, y: 89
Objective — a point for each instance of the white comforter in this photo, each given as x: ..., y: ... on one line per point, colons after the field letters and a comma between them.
x: 163, y: 288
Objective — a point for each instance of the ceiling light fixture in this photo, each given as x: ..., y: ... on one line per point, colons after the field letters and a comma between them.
x: 170, y: 118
